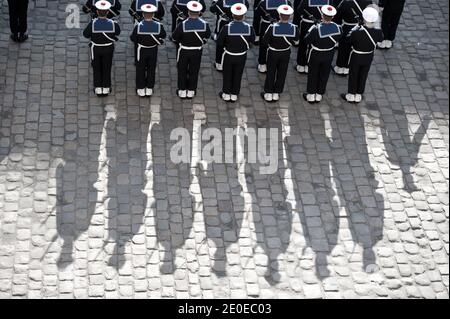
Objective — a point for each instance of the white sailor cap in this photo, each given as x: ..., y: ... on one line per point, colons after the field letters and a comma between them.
x: 103, y: 5
x: 238, y: 9
x: 149, y: 8
x: 370, y: 15
x: 285, y: 9
x: 329, y: 11
x: 194, y: 6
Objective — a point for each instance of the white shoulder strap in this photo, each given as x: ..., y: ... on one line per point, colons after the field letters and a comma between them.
x: 108, y: 37
x: 245, y: 41
x: 370, y: 37
x: 199, y: 37
x: 357, y: 5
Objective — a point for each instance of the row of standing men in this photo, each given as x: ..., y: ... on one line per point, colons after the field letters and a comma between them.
x: 314, y: 31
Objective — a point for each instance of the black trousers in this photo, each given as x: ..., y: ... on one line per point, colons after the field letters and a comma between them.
x: 146, y: 67
x: 219, y: 52
x: 359, y: 71
x: 302, y: 58
x: 319, y: 71
x: 390, y: 21
x: 344, y: 48
x: 102, y: 65
x: 256, y: 23
x: 262, y: 58
x: 18, y: 10
x: 233, y: 69
x: 188, y: 68
x: 277, y: 68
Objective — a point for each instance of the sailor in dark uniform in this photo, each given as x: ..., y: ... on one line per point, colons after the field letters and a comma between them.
x: 236, y: 38
x: 222, y: 9
x: 349, y: 15
x: 147, y: 35
x: 190, y: 36
x: 136, y: 9
x: 18, y: 10
x: 363, y: 41
x: 279, y: 38
x: 267, y: 10
x: 392, y: 12
x: 322, y: 40
x: 308, y: 13
x: 113, y: 12
x: 180, y: 11
x: 102, y: 32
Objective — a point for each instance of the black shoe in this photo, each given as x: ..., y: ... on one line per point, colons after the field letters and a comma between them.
x: 23, y: 37
x: 15, y: 37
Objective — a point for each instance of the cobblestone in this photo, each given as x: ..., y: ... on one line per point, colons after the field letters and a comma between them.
x: 92, y: 206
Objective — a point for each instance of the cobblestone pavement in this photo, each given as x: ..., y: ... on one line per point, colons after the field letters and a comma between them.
x: 92, y: 206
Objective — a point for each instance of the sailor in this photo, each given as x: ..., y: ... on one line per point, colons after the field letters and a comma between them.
x: 236, y: 39
x: 322, y: 40
x: 18, y: 11
x: 279, y: 38
x: 308, y: 14
x: 113, y: 12
x: 363, y: 41
x: 179, y: 11
x: 349, y: 15
x: 148, y: 35
x: 136, y: 10
x: 392, y: 12
x: 190, y: 36
x: 222, y: 9
x: 102, y: 32
x: 267, y: 10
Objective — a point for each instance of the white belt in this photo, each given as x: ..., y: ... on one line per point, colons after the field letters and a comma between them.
x: 313, y: 48
x: 140, y: 46
x: 186, y: 48
x: 279, y: 50
x: 348, y: 23
x: 93, y: 45
x: 358, y: 52
x: 362, y: 52
x: 307, y: 21
x: 321, y: 50
x: 231, y: 53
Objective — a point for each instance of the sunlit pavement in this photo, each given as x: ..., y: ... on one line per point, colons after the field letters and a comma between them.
x: 91, y: 204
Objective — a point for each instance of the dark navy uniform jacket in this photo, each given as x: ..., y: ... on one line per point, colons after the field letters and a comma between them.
x: 148, y: 33
x: 267, y: 9
x: 136, y: 13
x: 281, y: 36
x: 236, y: 37
x: 102, y: 31
x: 89, y: 7
x: 307, y: 10
x: 363, y: 45
x: 223, y: 7
x: 192, y: 33
x: 350, y: 11
x: 180, y: 7
x: 323, y: 38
